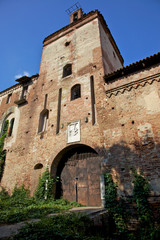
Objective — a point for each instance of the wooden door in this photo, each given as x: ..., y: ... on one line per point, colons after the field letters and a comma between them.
x: 80, y: 177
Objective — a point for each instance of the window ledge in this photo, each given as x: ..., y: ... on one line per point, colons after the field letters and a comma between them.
x: 20, y: 101
x: 67, y: 76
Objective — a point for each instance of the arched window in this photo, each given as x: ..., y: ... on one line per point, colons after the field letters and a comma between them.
x: 11, y: 124
x: 43, y: 121
x: 67, y: 70
x: 75, y: 92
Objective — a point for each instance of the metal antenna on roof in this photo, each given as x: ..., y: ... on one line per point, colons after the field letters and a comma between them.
x: 74, y: 8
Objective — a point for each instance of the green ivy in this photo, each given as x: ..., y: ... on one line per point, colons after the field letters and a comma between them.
x: 147, y: 228
x: 45, y: 186
x: 116, y: 208
x: 141, y: 193
x: 2, y: 152
x: 145, y: 216
x: 110, y: 193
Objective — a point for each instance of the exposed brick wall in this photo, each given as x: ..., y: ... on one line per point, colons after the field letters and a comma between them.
x: 126, y: 132
x: 131, y: 128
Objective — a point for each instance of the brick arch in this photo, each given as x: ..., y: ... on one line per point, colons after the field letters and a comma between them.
x: 14, y: 111
x: 9, y: 111
x: 61, y: 147
x: 57, y: 157
x: 78, y: 163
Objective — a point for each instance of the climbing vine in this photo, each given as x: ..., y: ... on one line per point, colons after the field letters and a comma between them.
x: 45, y: 186
x: 141, y: 191
x: 116, y: 208
x: 147, y: 225
x: 2, y: 151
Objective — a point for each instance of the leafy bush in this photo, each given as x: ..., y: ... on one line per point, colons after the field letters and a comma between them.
x: 69, y: 227
x: 4, y: 194
x: 20, y: 206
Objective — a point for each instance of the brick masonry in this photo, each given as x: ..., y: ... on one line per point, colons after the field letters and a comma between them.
x: 127, y: 111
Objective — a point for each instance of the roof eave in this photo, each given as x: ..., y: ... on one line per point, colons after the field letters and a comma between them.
x: 137, y: 66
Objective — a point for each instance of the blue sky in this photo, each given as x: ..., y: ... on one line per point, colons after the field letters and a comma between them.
x: 134, y: 24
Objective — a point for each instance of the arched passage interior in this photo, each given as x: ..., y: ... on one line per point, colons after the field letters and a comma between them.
x: 78, y: 168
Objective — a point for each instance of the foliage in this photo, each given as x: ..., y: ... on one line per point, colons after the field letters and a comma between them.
x: 60, y: 227
x: 116, y: 208
x: 110, y: 193
x: 2, y: 152
x: 4, y: 194
x: 20, y: 206
x: 45, y: 186
x: 146, y: 229
x: 141, y: 191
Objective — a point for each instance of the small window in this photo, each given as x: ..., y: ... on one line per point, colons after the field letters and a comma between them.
x: 67, y: 70
x: 11, y: 124
x: 75, y: 17
x: 75, y: 92
x: 9, y: 98
x: 43, y: 121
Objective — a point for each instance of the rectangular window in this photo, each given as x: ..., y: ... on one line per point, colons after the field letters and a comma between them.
x: 9, y: 98
x: 92, y: 100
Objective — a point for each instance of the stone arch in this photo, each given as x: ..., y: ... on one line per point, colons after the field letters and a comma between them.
x: 10, y: 114
x: 78, y: 167
x: 10, y: 111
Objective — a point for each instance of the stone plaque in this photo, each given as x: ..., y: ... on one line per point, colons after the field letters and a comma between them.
x: 73, y: 132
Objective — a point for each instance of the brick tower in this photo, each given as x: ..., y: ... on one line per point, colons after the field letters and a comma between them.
x: 58, y: 112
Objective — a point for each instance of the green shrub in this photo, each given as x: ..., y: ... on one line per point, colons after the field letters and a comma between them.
x: 69, y: 227
x: 4, y: 194
x: 20, y: 206
x: 45, y: 186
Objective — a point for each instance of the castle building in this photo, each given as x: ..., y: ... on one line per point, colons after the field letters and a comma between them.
x: 83, y: 114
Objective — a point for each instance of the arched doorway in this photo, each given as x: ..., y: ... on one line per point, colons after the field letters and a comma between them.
x: 78, y: 168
